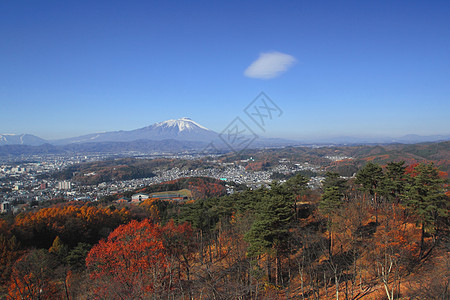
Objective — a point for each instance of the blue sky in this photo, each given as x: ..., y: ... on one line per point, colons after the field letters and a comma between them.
x: 352, y: 68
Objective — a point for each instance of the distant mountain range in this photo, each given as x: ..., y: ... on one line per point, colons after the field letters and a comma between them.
x: 406, y: 139
x: 183, y: 129
x: 141, y: 146
x: 173, y: 136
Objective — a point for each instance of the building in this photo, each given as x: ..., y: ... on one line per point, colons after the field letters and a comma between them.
x: 5, y: 207
x: 64, y: 185
x: 139, y: 197
x: 173, y: 197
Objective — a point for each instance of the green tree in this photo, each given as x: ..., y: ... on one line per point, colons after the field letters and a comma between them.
x: 296, y: 184
x: 203, y: 215
x: 295, y: 188
x: 396, y: 180
x: 331, y: 200
x: 269, y: 234
x: 334, y: 188
x: 333, y: 179
x: 76, y: 259
x: 426, y: 197
x: 59, y: 249
x: 373, y: 182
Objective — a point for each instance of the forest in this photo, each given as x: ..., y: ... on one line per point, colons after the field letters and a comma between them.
x: 382, y: 234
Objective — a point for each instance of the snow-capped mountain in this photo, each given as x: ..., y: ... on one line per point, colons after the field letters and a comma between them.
x: 190, y: 134
x: 183, y: 129
x: 21, y: 139
x: 183, y: 124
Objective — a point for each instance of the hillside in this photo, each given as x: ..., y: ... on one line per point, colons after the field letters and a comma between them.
x: 123, y: 169
x: 284, y: 242
x: 352, y: 157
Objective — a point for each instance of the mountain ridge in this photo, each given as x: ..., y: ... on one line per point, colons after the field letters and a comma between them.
x: 21, y: 139
x: 185, y: 129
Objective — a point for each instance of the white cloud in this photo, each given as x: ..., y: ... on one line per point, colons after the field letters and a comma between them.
x: 270, y: 65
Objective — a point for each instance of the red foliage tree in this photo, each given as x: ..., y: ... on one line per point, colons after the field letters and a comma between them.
x: 202, y: 189
x: 137, y: 260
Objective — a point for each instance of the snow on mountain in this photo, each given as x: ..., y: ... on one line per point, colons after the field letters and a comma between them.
x: 182, y: 124
x: 187, y: 130
x: 183, y: 129
x: 21, y: 139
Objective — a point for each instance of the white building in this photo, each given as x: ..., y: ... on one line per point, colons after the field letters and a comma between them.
x: 139, y: 197
x: 64, y: 185
x: 5, y: 207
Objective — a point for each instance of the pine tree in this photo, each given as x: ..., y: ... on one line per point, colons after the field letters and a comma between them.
x: 333, y: 179
x: 269, y: 233
x: 373, y: 181
x: 331, y: 201
x: 59, y: 249
x: 334, y: 188
x: 426, y: 197
x: 396, y: 180
x: 294, y: 187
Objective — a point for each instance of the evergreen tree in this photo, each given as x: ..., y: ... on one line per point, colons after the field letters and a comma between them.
x: 373, y: 181
x: 396, y: 180
x: 334, y: 188
x: 59, y: 249
x: 269, y: 234
x: 333, y: 179
x: 76, y: 258
x: 331, y: 200
x: 293, y: 188
x: 296, y: 184
x: 426, y: 197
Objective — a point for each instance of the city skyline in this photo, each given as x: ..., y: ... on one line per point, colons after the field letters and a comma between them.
x: 360, y: 69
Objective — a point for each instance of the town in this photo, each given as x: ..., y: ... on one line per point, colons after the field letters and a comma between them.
x: 26, y: 184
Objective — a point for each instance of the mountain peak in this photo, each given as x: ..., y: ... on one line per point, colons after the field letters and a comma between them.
x: 20, y: 139
x: 182, y: 124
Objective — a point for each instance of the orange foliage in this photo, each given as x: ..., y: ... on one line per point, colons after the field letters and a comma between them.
x: 396, y: 237
x: 9, y: 253
x: 411, y: 170
x: 131, y: 254
x: 380, y: 157
x: 31, y: 278
x: 151, y: 208
x: 68, y: 222
x: 53, y: 217
x: 201, y: 189
x: 135, y: 261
